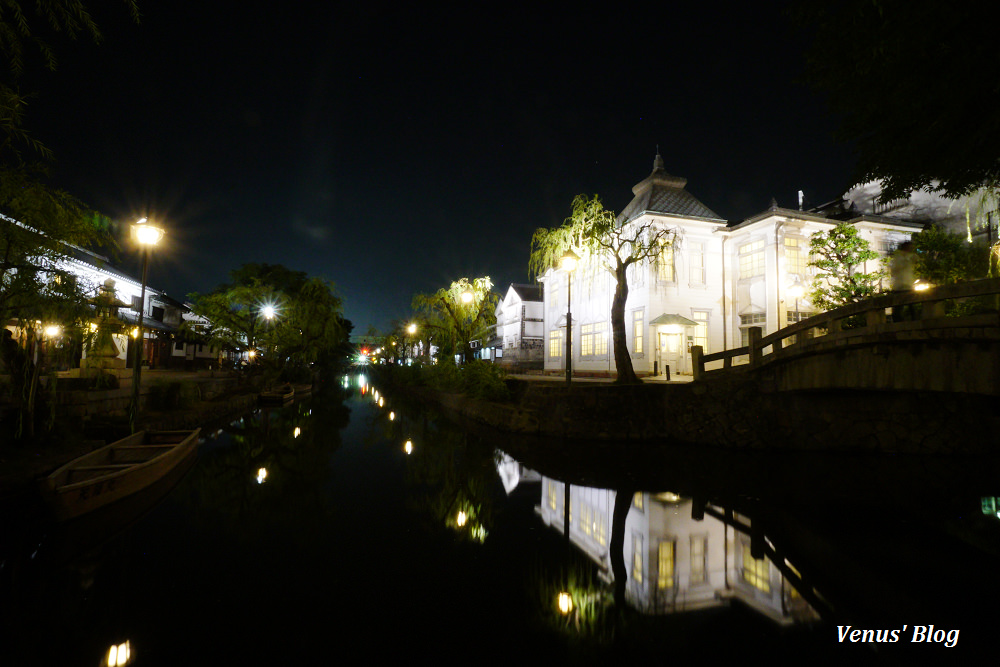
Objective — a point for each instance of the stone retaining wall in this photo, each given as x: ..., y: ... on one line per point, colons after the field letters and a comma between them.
x: 747, y: 413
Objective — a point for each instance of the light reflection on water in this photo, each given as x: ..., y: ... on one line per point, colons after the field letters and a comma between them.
x: 340, y: 523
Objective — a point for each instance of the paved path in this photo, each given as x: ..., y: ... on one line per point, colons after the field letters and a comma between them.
x: 659, y: 379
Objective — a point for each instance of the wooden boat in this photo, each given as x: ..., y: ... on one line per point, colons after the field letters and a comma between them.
x: 115, y: 471
x: 278, y: 396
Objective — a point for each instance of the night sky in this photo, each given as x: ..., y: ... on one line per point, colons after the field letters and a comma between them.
x: 393, y: 150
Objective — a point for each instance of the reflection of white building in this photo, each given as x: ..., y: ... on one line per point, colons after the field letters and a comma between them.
x: 708, y: 288
x: 675, y: 563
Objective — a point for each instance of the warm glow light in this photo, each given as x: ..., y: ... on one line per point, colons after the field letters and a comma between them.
x: 261, y: 475
x: 147, y: 234
x: 252, y: 353
x: 381, y: 402
x: 796, y: 291
x: 565, y: 602
x: 673, y: 329
x: 392, y: 415
x: 297, y: 432
x: 135, y: 332
x: 52, y: 330
x: 408, y: 447
x: 569, y: 261
x: 119, y: 654
x: 920, y: 287
x: 460, y: 520
x: 467, y: 297
x: 268, y: 311
x: 412, y: 329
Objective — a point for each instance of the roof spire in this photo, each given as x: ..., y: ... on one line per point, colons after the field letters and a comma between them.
x: 658, y: 161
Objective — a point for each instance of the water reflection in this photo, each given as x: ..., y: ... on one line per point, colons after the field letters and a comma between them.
x: 343, y: 522
x: 679, y: 557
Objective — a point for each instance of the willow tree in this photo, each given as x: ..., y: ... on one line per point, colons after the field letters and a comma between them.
x: 459, y: 314
x: 594, y: 233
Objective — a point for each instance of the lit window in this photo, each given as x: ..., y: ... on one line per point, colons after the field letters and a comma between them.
x: 637, y: 500
x: 746, y: 322
x: 701, y: 330
x: 601, y: 528
x: 696, y: 263
x: 552, y: 495
x: 665, y: 263
x: 756, y: 571
x: 586, y: 519
x: 665, y: 575
x: 594, y: 339
x: 556, y: 343
x: 637, y: 558
x: 795, y: 259
x: 637, y: 332
x: 752, y: 259
x: 699, y: 551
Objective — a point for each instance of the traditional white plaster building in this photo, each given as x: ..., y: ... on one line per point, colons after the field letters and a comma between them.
x: 162, y: 315
x: 708, y: 288
x: 520, y: 327
x: 674, y: 563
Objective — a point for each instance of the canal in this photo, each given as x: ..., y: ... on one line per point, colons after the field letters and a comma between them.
x: 355, y: 526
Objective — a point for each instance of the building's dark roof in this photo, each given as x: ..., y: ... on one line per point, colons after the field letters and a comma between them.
x: 527, y: 292
x: 662, y: 193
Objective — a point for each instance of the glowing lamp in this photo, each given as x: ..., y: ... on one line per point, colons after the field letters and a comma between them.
x: 569, y: 261
x: 52, y: 330
x: 297, y: 432
x: 268, y: 312
x: 135, y: 332
x: 412, y: 329
x: 565, y: 602
x: 252, y: 353
x: 147, y: 234
x: 118, y: 654
x: 461, y: 518
x: 261, y: 475
x: 920, y: 287
x: 467, y: 296
x: 408, y: 447
x: 796, y: 291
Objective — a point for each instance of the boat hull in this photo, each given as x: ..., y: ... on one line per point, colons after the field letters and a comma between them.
x: 116, y: 471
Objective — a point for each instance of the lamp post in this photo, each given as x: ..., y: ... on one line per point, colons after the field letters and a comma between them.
x: 568, y: 263
x: 146, y: 235
x: 796, y: 291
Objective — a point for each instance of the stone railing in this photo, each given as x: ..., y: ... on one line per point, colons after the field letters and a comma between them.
x: 827, y: 330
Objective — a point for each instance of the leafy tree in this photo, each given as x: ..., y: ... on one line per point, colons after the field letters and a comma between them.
x: 595, y: 234
x: 840, y: 254
x: 293, y: 320
x: 459, y: 314
x: 944, y: 258
x: 913, y: 84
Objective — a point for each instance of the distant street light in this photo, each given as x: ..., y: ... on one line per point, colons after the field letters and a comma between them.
x: 467, y: 296
x: 147, y: 236
x: 568, y: 264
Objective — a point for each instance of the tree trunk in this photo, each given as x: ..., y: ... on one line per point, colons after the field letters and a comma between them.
x: 623, y: 501
x: 623, y: 360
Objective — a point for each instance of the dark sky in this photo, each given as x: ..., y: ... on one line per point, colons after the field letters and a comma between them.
x: 393, y: 150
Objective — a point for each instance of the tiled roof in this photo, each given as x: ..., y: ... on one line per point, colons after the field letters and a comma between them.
x: 662, y: 193
x: 527, y: 292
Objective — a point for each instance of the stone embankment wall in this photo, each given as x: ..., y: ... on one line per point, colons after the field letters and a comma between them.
x: 744, y: 412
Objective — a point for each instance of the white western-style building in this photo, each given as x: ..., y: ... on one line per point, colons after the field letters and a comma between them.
x: 708, y: 287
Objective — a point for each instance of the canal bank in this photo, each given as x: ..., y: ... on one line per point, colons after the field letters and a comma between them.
x: 214, y: 399
x: 738, y: 412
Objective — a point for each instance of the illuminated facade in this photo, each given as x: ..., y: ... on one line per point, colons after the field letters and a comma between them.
x: 707, y: 288
x: 520, y: 331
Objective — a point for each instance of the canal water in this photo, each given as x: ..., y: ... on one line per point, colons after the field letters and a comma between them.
x: 353, y: 526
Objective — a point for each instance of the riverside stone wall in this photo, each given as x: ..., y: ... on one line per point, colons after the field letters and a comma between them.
x: 745, y: 412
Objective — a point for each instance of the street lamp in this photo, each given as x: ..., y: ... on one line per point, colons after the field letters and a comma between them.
x: 147, y: 236
x: 796, y: 291
x: 568, y: 263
